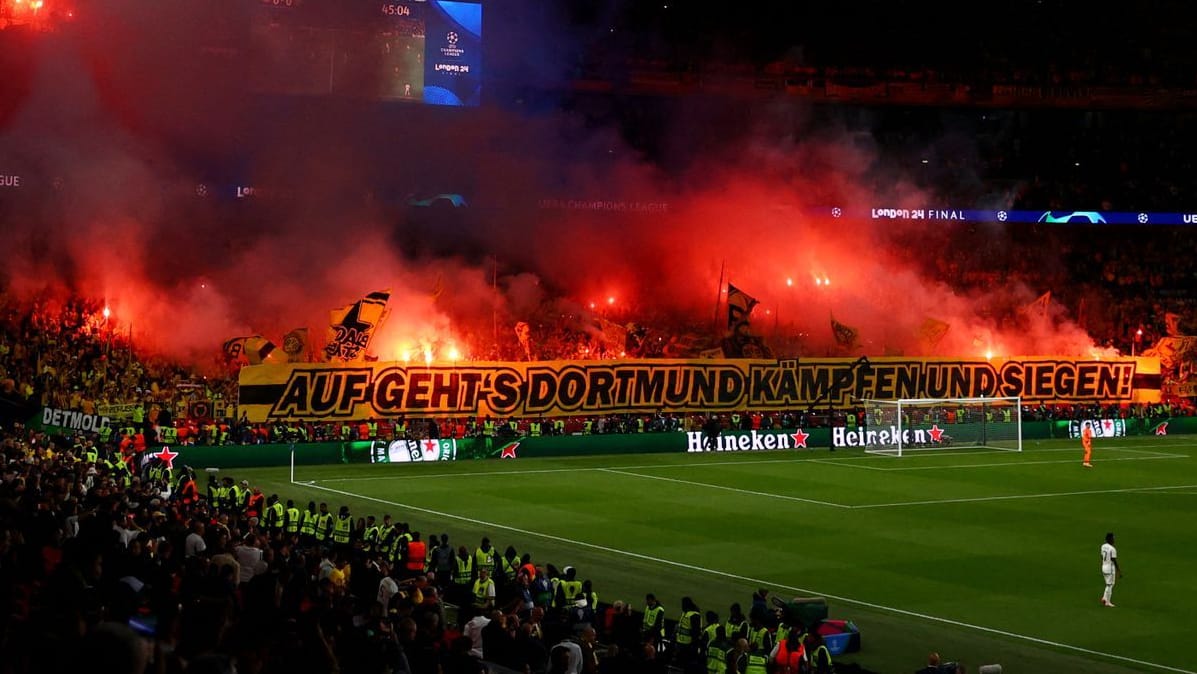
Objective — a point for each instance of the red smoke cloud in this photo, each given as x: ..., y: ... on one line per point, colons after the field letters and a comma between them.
x: 562, y: 213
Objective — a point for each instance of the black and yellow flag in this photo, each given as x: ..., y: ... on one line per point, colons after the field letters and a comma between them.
x: 845, y: 335
x: 739, y: 306
x: 259, y: 350
x: 351, y: 327
x: 295, y: 345
x: 234, y: 348
x: 932, y: 331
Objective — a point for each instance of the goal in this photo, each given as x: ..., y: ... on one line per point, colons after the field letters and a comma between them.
x: 895, y: 427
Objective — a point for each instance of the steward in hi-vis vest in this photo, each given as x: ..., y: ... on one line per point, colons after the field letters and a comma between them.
x: 307, y: 528
x: 342, y: 527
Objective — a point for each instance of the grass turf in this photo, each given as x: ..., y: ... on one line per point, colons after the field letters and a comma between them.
x: 983, y: 556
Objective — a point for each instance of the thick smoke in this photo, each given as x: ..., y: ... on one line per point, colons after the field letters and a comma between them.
x: 120, y: 126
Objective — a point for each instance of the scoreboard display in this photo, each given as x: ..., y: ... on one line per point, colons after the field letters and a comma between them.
x: 418, y: 51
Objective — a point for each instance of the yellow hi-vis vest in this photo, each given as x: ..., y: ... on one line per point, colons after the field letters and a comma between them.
x: 341, y: 530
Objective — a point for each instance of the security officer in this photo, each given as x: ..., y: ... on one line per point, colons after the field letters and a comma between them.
x: 717, y: 646
x: 293, y: 519
x: 342, y: 528
x: 402, y: 538
x: 484, y: 591
x: 324, y: 524
x: 484, y: 556
x: 276, y: 515
x: 370, y: 535
x: 213, y: 491
x: 509, y: 566
x: 820, y: 658
x: 307, y: 529
x: 386, y: 537
x: 463, y: 573
x: 239, y: 495
x: 757, y: 661
x: 736, y: 625
x: 759, y: 638
x: 653, y: 629
x: 226, y: 494
x: 568, y: 589
x: 689, y: 626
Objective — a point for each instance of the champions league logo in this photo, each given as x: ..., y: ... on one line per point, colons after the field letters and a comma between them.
x: 451, y: 49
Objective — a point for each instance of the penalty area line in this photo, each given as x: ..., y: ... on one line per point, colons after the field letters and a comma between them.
x: 1016, y: 497
x: 756, y: 582
x: 1015, y: 463
x: 719, y: 486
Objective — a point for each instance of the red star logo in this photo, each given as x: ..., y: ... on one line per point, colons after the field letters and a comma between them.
x: 508, y: 452
x: 430, y: 446
x: 1107, y: 426
x: 168, y: 457
x: 936, y: 433
x: 799, y: 438
x: 1162, y: 429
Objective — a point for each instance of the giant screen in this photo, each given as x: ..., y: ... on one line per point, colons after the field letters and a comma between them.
x: 420, y: 51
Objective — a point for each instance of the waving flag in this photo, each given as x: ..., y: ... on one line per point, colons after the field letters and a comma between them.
x: 932, y: 331
x: 1040, y: 305
x: 234, y: 348
x: 259, y: 350
x: 351, y: 327
x: 295, y: 345
x: 739, y: 306
x: 845, y: 335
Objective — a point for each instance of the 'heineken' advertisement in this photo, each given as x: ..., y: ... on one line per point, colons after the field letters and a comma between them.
x: 755, y: 441
x: 749, y: 441
x: 1102, y: 428
x: 411, y: 451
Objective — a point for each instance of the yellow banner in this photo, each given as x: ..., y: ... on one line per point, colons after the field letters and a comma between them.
x: 315, y: 391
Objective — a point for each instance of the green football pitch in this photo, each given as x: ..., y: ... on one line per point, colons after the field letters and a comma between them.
x: 983, y: 556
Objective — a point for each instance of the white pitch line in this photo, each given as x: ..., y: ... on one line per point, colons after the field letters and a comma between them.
x: 734, y: 489
x: 755, y: 582
x: 697, y: 464
x: 1015, y: 497
x: 843, y: 464
x: 1160, y: 456
x: 1148, y: 451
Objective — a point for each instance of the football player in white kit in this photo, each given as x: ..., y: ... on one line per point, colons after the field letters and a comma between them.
x: 1109, y: 568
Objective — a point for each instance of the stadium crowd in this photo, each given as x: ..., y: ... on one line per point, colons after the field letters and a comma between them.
x: 122, y: 559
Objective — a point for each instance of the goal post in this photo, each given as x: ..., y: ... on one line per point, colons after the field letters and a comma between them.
x: 896, y: 427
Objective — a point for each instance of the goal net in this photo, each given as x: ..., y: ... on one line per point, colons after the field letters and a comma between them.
x: 895, y: 427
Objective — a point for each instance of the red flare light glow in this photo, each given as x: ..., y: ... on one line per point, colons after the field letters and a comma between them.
x: 187, y: 272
